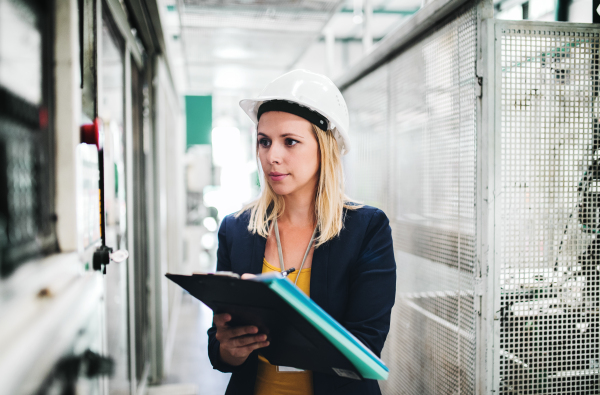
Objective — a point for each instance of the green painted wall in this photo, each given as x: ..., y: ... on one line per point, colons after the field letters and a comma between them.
x: 198, y: 115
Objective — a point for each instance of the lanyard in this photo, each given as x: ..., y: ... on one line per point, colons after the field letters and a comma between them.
x: 280, y: 251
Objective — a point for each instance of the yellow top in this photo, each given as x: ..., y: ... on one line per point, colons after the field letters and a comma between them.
x: 268, y: 380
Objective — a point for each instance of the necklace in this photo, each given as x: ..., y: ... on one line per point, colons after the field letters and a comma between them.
x: 280, y: 251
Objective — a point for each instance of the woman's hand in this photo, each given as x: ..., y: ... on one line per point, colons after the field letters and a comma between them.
x: 237, y: 342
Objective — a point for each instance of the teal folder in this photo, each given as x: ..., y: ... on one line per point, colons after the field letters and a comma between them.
x: 302, y: 334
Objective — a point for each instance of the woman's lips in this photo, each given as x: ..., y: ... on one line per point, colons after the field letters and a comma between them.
x: 277, y: 176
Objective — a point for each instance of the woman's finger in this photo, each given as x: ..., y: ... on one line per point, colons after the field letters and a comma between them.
x: 224, y: 334
x: 255, y: 346
x: 227, y: 334
x: 247, y: 276
x: 242, y: 330
x: 221, y: 319
x: 247, y: 340
x: 243, y: 352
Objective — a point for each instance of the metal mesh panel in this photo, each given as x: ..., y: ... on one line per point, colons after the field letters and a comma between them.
x: 549, y: 251
x: 367, y: 163
x: 429, y: 114
x: 434, y: 225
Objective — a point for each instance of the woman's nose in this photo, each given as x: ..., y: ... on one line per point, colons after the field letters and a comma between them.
x: 275, y: 153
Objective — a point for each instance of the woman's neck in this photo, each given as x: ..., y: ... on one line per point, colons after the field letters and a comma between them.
x: 299, y: 210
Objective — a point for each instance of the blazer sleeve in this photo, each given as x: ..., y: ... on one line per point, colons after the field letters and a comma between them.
x: 372, y: 290
x: 223, y: 264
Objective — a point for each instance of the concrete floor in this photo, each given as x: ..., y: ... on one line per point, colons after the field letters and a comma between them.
x: 190, y: 363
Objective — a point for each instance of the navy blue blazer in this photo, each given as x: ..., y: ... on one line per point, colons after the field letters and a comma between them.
x: 353, y: 278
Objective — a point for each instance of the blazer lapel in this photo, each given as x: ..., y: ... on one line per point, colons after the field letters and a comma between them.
x: 318, y: 277
x: 258, y: 254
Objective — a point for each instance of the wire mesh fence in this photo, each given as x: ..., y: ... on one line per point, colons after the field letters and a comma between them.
x: 420, y: 132
x: 549, y: 324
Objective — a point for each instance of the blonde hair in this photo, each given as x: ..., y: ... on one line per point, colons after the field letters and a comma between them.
x: 330, y: 199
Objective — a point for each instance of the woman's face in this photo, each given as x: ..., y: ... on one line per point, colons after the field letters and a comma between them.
x: 289, y: 152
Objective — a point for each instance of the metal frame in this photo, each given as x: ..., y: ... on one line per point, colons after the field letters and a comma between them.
x: 493, y: 292
x: 91, y: 14
x: 486, y: 200
x: 129, y: 188
x: 168, y: 196
x: 484, y: 190
x: 142, y: 272
x: 488, y: 173
x: 120, y: 19
x: 153, y: 214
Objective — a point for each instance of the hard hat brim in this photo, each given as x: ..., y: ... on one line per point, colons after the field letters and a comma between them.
x: 250, y: 107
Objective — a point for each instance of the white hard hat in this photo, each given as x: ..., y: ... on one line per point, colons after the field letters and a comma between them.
x: 314, y: 91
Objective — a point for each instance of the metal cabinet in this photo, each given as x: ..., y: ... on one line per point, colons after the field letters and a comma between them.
x: 26, y: 133
x: 482, y: 150
x: 63, y: 64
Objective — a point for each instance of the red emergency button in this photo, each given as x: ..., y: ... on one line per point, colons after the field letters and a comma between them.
x: 92, y: 133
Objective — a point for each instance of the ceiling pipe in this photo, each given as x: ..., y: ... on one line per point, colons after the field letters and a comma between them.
x: 561, y: 12
x: 183, y: 42
x: 368, y: 26
x: 422, y: 22
x: 357, y: 9
x: 316, y: 36
x: 329, y: 50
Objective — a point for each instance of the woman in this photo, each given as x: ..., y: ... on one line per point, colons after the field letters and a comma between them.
x: 342, y: 251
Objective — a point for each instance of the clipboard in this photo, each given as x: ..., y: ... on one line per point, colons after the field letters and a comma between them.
x: 301, y: 334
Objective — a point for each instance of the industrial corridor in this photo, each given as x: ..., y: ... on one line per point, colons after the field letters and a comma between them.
x: 202, y: 197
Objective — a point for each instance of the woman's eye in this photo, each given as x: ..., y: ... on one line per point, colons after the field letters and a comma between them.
x: 265, y: 143
x: 291, y: 142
